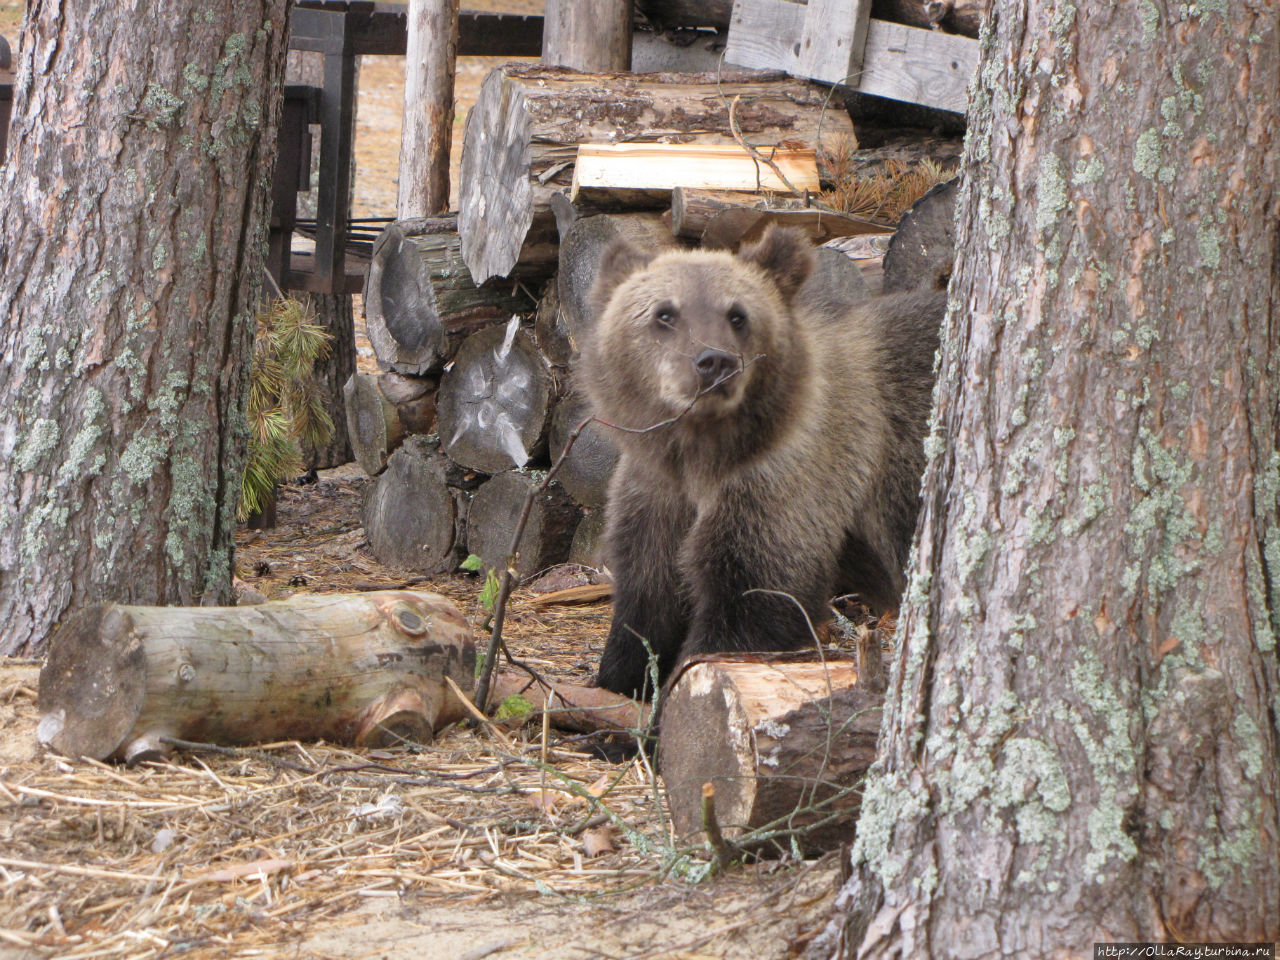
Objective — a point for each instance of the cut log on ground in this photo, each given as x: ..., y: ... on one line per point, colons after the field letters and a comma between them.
x: 523, y: 133
x: 580, y: 251
x: 399, y: 388
x: 924, y: 246
x: 419, y: 300
x: 625, y: 175
x: 785, y: 743
x: 413, y: 517
x: 494, y: 404
x: 586, y: 470
x: 728, y: 219
x: 582, y: 709
x: 495, y: 512
x: 366, y: 669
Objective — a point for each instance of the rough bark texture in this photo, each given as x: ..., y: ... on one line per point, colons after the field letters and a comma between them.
x: 1080, y: 740
x: 333, y: 311
x: 132, y: 237
x: 430, y: 58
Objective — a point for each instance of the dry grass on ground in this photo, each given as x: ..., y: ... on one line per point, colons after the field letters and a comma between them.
x: 493, y: 842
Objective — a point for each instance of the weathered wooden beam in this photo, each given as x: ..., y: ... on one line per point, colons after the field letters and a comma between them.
x: 427, y: 128
x: 833, y: 39
x: 899, y: 62
x: 589, y: 35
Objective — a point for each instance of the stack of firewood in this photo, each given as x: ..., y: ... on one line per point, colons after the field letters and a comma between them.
x: 476, y: 318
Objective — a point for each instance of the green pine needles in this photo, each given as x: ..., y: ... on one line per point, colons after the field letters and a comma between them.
x: 285, y: 405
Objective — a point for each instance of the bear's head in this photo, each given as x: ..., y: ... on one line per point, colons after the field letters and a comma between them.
x: 692, y: 333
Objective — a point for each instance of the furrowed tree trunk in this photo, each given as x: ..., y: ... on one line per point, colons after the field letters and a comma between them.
x: 1080, y: 742
x: 132, y: 236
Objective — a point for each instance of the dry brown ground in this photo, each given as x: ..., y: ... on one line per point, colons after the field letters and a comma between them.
x: 485, y: 843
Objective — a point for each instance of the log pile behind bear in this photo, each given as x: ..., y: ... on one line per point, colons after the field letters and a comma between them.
x: 476, y: 384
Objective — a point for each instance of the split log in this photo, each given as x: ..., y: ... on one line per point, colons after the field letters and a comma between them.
x: 580, y: 251
x: 494, y: 404
x: 365, y: 669
x: 522, y: 136
x: 582, y: 709
x: 588, y: 547
x: 924, y: 246
x: 589, y: 35
x: 377, y: 425
x: 495, y: 512
x: 627, y: 175
x: 414, y: 517
x: 419, y: 300
x: 586, y: 470
x: 728, y: 219
x: 785, y: 743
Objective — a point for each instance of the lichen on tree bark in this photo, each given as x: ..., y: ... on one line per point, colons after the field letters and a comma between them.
x: 131, y: 246
x: 1080, y: 740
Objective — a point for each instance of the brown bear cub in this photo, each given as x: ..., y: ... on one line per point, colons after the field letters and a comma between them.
x: 772, y: 447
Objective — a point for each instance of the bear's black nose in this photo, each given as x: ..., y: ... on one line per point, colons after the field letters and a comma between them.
x: 714, y: 366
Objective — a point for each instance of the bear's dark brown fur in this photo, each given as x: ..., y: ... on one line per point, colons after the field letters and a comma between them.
x: 770, y: 447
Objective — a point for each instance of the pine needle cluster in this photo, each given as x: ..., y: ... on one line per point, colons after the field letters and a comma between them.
x: 285, y: 405
x: 884, y: 196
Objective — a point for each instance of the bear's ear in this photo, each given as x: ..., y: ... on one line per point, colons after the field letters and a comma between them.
x: 619, y: 261
x: 785, y: 254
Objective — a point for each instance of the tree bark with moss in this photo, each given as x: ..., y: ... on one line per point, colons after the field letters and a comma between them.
x: 132, y: 237
x: 1080, y: 740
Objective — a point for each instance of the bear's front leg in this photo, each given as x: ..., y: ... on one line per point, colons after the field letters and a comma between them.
x: 647, y: 521
x: 760, y: 566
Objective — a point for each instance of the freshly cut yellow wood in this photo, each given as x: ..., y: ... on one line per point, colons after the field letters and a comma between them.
x: 604, y: 168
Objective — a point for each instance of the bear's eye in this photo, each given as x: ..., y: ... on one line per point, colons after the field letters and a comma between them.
x: 737, y: 317
x: 665, y: 315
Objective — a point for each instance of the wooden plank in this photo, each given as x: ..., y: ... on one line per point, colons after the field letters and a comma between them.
x: 593, y: 36
x: 832, y: 42
x: 899, y: 62
x: 665, y: 166
x: 919, y: 66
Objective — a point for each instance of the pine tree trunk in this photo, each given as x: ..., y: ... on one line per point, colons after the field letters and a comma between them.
x: 1080, y: 741
x: 132, y: 236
